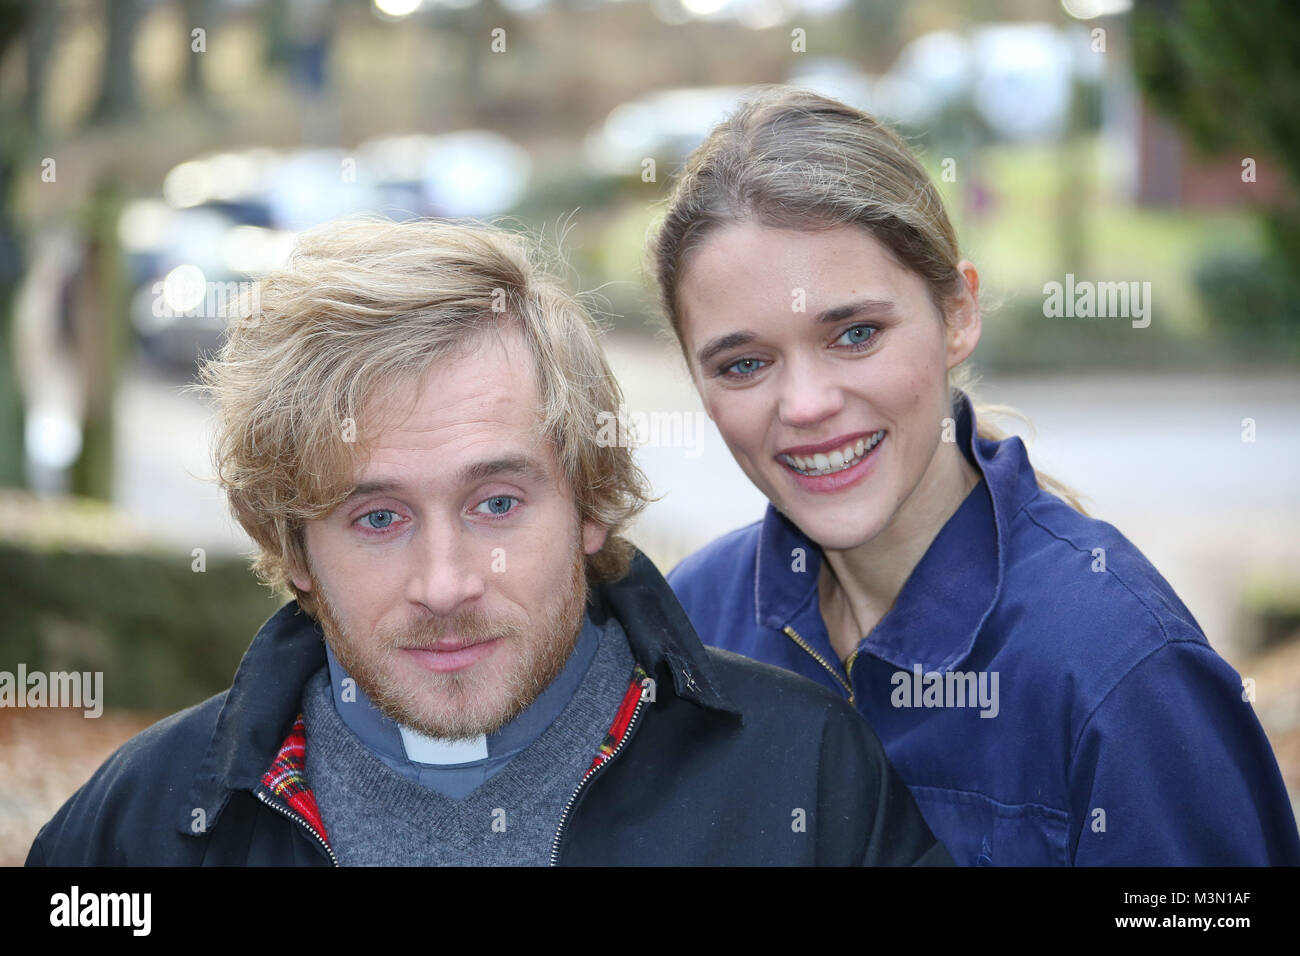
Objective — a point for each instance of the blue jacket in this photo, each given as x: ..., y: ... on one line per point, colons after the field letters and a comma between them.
x: 707, y: 764
x: 1109, y: 732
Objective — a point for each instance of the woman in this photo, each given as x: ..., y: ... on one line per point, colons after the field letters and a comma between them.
x: 1042, y: 690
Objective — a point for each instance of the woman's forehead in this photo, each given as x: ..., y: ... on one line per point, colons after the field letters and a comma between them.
x: 750, y: 273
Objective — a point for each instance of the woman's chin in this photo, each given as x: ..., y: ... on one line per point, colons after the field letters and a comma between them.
x: 839, y: 521
x: 833, y: 528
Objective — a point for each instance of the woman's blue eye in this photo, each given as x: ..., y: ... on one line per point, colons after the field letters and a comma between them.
x: 379, y: 520
x: 743, y: 367
x: 858, y: 335
x: 499, y: 504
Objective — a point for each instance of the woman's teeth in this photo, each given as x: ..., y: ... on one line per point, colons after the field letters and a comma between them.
x: 831, y: 462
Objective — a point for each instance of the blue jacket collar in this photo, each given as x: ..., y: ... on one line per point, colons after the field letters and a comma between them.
x: 939, y: 612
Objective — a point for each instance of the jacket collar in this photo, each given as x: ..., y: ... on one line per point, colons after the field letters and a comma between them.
x: 939, y: 612
x: 259, y: 710
x: 659, y: 632
x: 265, y: 699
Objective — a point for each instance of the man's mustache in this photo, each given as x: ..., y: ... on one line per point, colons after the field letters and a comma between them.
x: 467, y: 629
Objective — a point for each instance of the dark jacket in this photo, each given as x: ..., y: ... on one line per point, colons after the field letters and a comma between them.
x: 731, y: 762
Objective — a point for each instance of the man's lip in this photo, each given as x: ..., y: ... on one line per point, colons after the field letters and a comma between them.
x: 834, y: 444
x: 452, y: 656
x: 446, y: 644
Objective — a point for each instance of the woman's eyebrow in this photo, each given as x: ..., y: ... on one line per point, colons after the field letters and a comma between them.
x: 722, y: 343
x: 871, y: 308
x: 868, y: 308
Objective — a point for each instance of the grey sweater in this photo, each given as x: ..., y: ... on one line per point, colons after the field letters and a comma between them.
x: 377, y: 817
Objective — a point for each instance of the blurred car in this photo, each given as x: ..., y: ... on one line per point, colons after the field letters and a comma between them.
x: 226, y: 219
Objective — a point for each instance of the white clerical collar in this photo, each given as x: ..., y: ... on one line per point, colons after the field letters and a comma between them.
x: 439, y: 750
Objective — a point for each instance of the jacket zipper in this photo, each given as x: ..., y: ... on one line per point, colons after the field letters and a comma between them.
x: 591, y: 772
x: 794, y: 636
x: 299, y: 819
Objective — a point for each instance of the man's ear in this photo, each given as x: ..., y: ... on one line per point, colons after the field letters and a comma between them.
x: 301, y: 581
x: 300, y: 570
x: 964, y: 321
x: 593, y: 537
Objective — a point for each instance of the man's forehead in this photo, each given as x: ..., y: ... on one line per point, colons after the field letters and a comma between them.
x: 488, y: 378
x: 463, y: 450
x: 469, y: 414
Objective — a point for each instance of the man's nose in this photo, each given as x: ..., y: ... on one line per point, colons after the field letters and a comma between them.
x: 808, y: 394
x: 445, y: 576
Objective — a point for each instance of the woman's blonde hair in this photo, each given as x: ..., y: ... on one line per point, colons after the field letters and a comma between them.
x: 362, y: 307
x: 794, y: 159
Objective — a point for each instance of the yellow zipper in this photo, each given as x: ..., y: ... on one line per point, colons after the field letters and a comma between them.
x: 794, y: 636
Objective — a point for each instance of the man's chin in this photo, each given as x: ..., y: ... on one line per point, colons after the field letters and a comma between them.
x: 455, y: 705
x: 464, y: 724
x: 464, y: 704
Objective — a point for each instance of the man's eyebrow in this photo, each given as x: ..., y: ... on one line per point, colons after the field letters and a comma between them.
x: 867, y: 308
x: 385, y: 486
x: 523, y: 466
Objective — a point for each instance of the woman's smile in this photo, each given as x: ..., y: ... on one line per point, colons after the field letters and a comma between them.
x: 845, y: 463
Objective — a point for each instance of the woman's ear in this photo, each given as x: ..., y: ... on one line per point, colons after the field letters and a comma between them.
x: 964, y: 321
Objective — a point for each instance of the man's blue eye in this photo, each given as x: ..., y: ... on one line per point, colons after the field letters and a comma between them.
x: 858, y: 335
x: 379, y: 520
x: 499, y: 504
x: 743, y: 367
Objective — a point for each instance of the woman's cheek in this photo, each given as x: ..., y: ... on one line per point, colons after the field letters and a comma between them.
x: 740, y: 431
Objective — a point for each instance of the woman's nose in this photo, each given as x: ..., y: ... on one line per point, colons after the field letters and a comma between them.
x: 808, y: 395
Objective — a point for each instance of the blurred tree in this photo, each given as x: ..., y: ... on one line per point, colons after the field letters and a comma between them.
x: 99, y: 305
x: 1074, y: 187
x: 875, y: 33
x: 1227, y: 73
x: 118, y: 97
x: 195, y: 13
x: 299, y: 36
x: 15, y: 17
x: 39, y: 42
x: 101, y: 322
x: 275, y: 33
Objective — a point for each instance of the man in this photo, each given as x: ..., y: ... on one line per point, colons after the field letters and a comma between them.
x: 410, y: 434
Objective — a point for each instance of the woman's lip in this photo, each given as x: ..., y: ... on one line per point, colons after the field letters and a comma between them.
x: 839, y: 480
x: 459, y: 658
x: 834, y: 444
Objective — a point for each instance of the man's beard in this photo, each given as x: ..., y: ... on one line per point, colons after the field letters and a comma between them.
x: 479, y: 699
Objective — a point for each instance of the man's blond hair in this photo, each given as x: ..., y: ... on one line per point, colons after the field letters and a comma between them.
x: 365, y: 306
